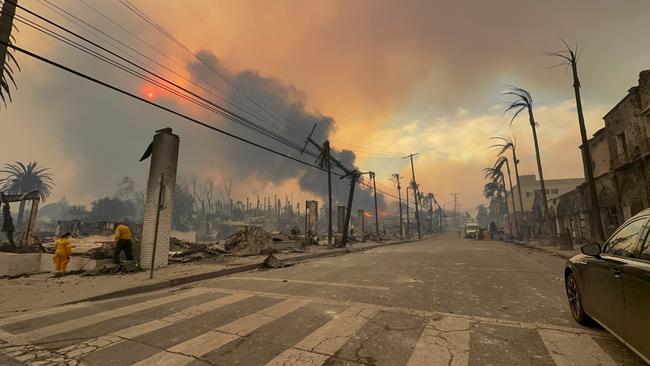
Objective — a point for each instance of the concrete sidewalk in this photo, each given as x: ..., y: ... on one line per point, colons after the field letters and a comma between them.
x: 42, y: 290
x: 549, y: 248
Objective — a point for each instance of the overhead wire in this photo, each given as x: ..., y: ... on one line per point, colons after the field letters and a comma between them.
x: 112, y: 62
x: 76, y: 20
x: 237, y: 118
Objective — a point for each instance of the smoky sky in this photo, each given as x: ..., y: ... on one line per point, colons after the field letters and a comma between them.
x: 279, y: 107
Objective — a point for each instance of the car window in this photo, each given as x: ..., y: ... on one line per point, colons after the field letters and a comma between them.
x: 623, y: 243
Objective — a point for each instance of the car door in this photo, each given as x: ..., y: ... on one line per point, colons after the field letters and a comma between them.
x: 604, y: 277
x: 636, y: 286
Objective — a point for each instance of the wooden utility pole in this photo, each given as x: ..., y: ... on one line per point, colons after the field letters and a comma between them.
x: 399, y: 201
x: 328, y: 162
x: 354, y: 177
x: 374, y: 188
x: 408, y: 223
x: 415, y: 193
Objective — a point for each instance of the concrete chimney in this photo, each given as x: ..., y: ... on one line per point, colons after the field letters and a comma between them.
x: 164, y: 160
x: 311, y: 217
x: 360, y: 226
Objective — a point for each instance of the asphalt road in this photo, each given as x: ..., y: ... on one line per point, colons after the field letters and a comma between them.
x: 441, y: 301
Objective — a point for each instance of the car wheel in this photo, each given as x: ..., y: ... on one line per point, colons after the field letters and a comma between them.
x: 575, y: 301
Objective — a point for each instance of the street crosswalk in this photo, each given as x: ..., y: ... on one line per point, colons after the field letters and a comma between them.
x: 202, y: 326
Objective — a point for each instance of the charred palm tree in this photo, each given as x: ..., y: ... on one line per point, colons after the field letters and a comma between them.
x: 495, y: 177
x: 6, y: 39
x: 498, y: 165
x: 505, y: 143
x: 24, y: 178
x: 524, y: 101
x: 570, y: 58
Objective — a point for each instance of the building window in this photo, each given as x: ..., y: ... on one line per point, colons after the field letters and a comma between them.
x: 527, y: 194
x: 621, y: 145
x: 554, y: 191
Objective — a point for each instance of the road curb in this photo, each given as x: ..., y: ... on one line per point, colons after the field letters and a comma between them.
x: 227, y: 271
x: 542, y: 249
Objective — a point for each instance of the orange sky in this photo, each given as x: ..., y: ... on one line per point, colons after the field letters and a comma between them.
x: 396, y: 76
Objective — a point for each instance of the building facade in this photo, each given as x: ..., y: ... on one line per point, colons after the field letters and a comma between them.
x: 619, y: 157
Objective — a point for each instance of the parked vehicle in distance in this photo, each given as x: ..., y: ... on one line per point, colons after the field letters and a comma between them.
x: 610, y: 284
x: 471, y: 230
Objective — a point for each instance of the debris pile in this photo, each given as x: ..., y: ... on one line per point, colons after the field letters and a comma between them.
x: 249, y: 240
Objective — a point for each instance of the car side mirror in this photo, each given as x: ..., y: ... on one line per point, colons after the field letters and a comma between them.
x: 592, y: 249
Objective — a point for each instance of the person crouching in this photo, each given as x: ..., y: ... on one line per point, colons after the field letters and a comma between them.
x: 122, y: 242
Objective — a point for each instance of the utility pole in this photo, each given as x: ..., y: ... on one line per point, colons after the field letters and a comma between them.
x: 354, y: 177
x: 326, y: 152
x: 374, y: 188
x: 399, y: 198
x: 353, y: 174
x: 408, y: 223
x: 415, y: 192
x: 456, y: 223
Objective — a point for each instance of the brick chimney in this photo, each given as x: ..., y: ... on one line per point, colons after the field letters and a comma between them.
x: 644, y: 91
x: 164, y: 160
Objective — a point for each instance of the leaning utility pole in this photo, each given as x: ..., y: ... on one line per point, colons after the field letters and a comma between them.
x: 415, y: 192
x: 374, y: 188
x: 327, y: 158
x: 328, y: 163
x: 399, y: 201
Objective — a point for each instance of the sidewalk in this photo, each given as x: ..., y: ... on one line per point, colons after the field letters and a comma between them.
x: 42, y: 290
x: 549, y: 248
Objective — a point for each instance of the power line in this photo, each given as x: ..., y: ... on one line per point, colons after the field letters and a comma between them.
x: 76, y: 20
x: 159, y: 106
x: 237, y: 118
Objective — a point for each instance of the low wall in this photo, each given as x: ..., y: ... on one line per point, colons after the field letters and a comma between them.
x: 12, y: 264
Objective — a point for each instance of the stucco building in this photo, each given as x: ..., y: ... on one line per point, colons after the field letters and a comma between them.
x: 619, y: 157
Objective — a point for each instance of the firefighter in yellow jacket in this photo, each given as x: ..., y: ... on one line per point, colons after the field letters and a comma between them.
x: 62, y: 252
x: 122, y: 242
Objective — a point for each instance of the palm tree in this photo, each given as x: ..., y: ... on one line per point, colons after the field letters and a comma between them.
x: 510, y: 143
x: 6, y: 38
x: 23, y: 178
x: 498, y: 165
x: 496, y: 185
x: 570, y: 58
x: 524, y: 101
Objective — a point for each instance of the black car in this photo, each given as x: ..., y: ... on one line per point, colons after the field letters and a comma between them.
x: 610, y: 284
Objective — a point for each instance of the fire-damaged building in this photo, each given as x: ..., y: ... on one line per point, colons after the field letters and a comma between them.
x: 619, y: 157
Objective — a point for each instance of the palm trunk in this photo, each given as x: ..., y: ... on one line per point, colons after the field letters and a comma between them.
x: 521, y: 201
x: 514, y: 209
x: 505, y: 196
x: 597, y: 227
x: 541, y: 173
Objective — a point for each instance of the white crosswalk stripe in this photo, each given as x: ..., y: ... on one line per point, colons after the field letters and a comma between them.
x: 317, y: 347
x: 84, y: 348
x: 571, y: 349
x: 185, y: 352
x: 445, y: 339
x: 84, y: 321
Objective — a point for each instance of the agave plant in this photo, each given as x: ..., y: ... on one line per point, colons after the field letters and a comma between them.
x: 523, y: 101
x: 6, y: 56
